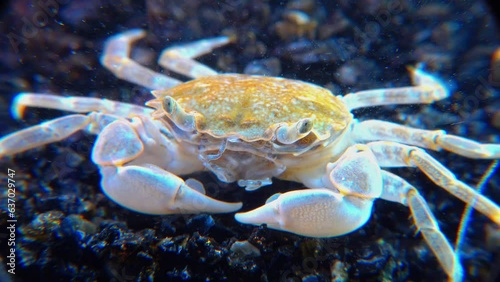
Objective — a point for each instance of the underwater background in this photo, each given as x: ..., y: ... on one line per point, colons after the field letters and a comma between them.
x: 67, y: 230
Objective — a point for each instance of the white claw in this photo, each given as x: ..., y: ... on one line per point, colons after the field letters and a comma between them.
x: 151, y: 190
x: 313, y: 213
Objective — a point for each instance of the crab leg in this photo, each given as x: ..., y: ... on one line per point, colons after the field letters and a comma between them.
x: 391, y: 154
x: 53, y: 131
x: 427, y: 90
x: 116, y: 58
x: 396, y: 189
x: 131, y: 156
x: 352, y: 184
x: 180, y: 59
x: 74, y: 104
x: 374, y: 130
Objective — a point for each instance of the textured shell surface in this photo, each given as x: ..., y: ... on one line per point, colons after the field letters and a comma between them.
x: 251, y: 107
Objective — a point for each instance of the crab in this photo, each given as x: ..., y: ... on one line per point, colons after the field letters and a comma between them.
x: 250, y: 129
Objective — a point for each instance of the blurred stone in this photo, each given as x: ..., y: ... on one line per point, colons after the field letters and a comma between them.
x: 493, y: 237
x: 495, y: 121
x: 296, y: 24
x: 335, y: 50
x: 494, y: 77
x: 268, y: 67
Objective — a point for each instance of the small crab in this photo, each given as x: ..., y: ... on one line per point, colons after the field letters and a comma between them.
x: 250, y: 129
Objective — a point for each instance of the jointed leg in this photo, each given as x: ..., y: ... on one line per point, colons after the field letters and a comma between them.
x: 374, y: 130
x: 390, y: 154
x: 427, y: 90
x: 116, y: 59
x: 75, y: 104
x: 103, y: 112
x: 180, y: 59
x: 53, y: 131
x: 398, y: 190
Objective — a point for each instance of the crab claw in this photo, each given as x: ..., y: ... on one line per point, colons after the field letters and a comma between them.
x: 152, y: 190
x: 353, y: 182
x: 313, y: 213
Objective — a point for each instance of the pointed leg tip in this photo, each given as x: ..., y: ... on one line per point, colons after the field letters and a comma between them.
x: 262, y: 215
x: 18, y: 107
x: 243, y: 217
x: 229, y: 207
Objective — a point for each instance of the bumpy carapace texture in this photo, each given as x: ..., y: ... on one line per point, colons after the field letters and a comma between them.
x: 250, y: 107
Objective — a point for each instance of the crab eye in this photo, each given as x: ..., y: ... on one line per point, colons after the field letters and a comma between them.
x: 305, y: 125
x: 168, y: 105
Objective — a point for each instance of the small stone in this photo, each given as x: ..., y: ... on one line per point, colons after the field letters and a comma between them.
x: 77, y: 227
x: 43, y: 226
x: 338, y: 272
x: 244, y: 248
